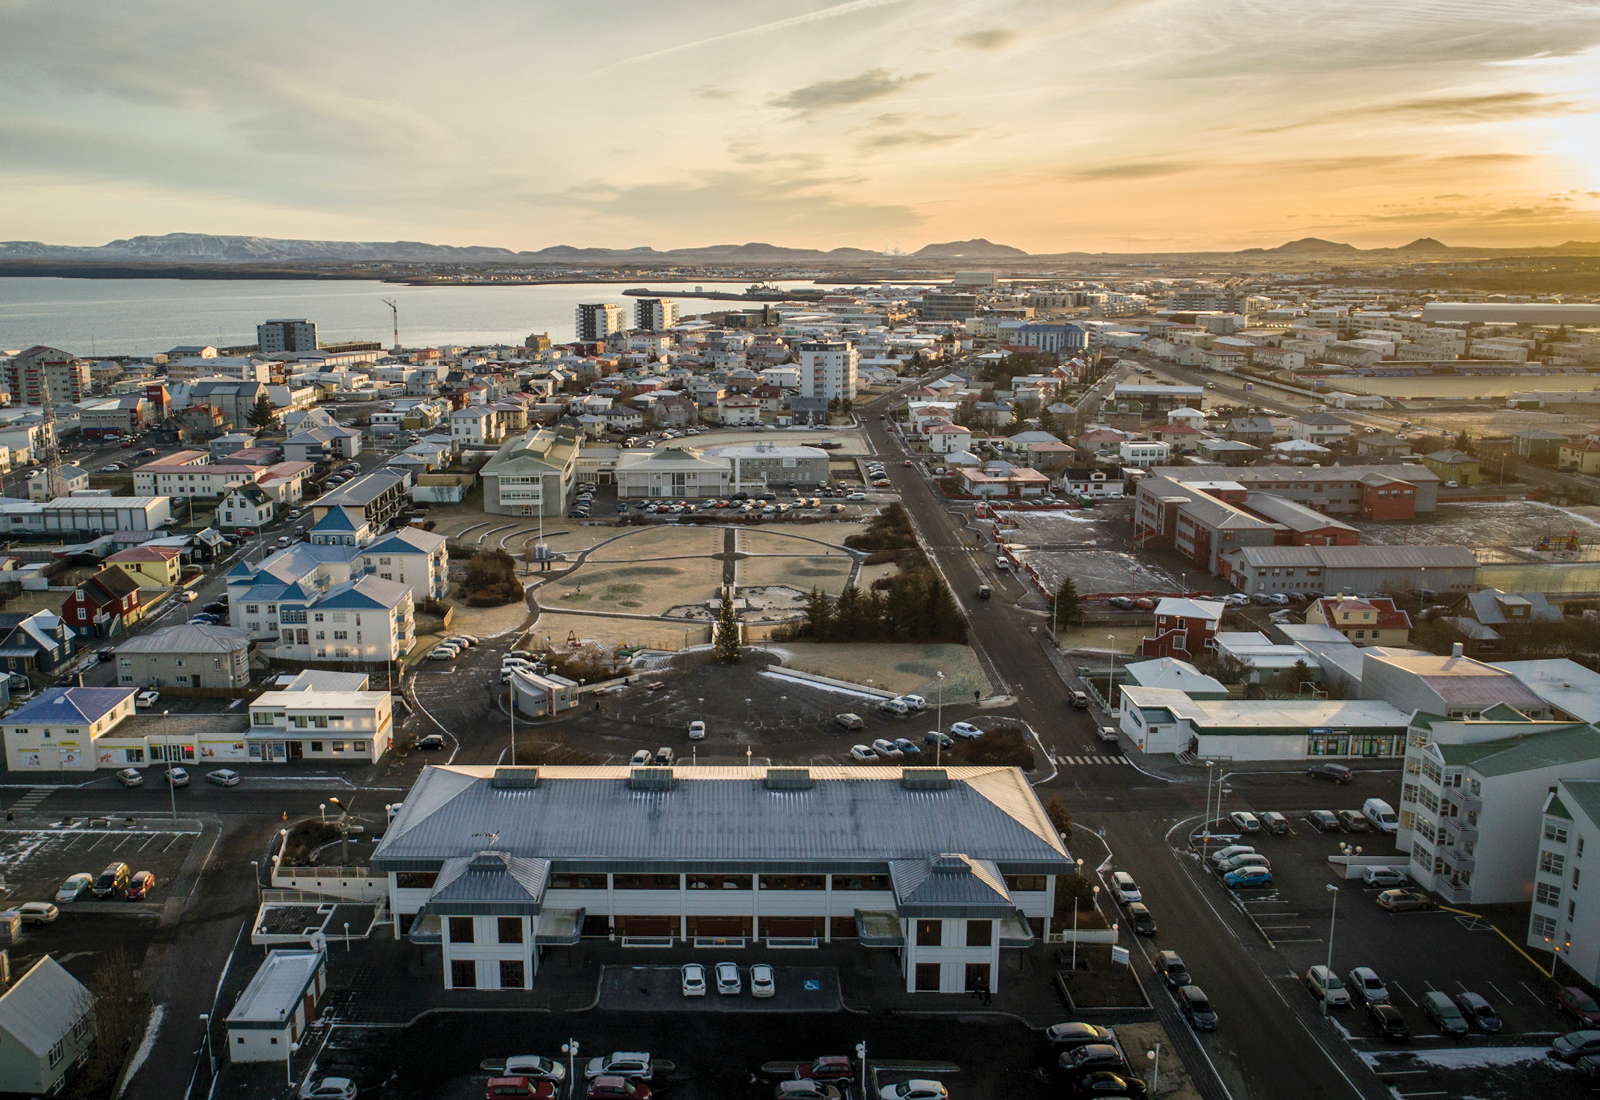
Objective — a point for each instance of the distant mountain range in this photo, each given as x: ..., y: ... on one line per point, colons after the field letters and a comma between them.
x: 205, y: 248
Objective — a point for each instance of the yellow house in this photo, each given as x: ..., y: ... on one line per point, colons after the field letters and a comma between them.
x: 151, y: 566
x: 1453, y: 465
x: 1582, y: 455
x: 1365, y: 622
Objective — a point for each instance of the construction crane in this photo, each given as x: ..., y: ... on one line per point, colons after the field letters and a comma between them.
x: 396, y: 311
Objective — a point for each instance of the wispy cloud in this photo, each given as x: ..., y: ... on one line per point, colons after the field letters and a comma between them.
x: 850, y: 8
x: 1481, y: 108
x: 991, y: 38
x: 827, y: 94
x: 1132, y: 170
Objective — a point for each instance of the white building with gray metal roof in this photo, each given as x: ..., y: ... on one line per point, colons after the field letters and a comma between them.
x: 947, y: 867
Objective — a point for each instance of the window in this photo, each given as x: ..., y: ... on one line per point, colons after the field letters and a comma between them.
x: 463, y: 973
x: 461, y: 930
x: 794, y: 882
x: 645, y: 882
x: 1579, y: 853
x: 1543, y: 926
x: 719, y: 882
x: 510, y: 929
x: 1545, y: 893
x: 930, y: 933
x: 341, y: 635
x: 58, y: 1052
x: 1572, y: 909
x: 1555, y: 831
x: 1027, y: 882
x: 1551, y: 863
x: 577, y: 882
x: 358, y: 746
x: 416, y: 880
x: 338, y: 746
x: 512, y: 975
x: 980, y: 933
x: 927, y: 977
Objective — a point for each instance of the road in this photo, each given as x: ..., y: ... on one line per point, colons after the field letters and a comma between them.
x: 1271, y: 1052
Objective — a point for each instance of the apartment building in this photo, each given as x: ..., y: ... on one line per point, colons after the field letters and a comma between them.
x: 828, y: 369
x: 367, y: 620
x: 1143, y: 454
x: 1570, y: 819
x: 593, y: 322
x: 1472, y: 800
x: 730, y: 856
x: 1398, y: 491
x: 286, y: 335
x: 311, y: 724
x: 44, y: 375
x: 1372, y: 621
x: 190, y: 655
x: 204, y: 479
x: 654, y: 314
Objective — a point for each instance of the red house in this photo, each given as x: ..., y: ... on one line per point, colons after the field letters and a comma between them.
x: 1385, y: 497
x: 1184, y: 628
x: 104, y: 605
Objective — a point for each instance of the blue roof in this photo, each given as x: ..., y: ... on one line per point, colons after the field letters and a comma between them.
x: 70, y: 704
x: 243, y: 569
x: 337, y: 519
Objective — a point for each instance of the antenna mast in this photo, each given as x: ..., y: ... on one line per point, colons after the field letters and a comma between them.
x: 396, y: 311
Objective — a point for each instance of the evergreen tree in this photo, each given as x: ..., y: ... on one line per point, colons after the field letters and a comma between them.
x: 727, y: 632
x: 1069, y: 611
x: 262, y: 415
x: 944, y: 617
x: 1462, y: 442
x: 818, y: 623
x: 847, y: 613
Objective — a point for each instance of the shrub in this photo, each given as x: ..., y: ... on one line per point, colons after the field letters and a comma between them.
x: 1005, y: 747
x: 491, y: 579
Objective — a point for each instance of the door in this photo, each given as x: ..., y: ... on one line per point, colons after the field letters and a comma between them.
x: 297, y: 750
x: 463, y: 974
x: 511, y: 974
x: 977, y: 976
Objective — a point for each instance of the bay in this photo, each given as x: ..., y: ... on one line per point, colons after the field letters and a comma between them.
x: 91, y: 317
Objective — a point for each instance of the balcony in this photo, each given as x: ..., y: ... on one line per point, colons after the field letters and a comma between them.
x: 1457, y: 859
x: 1452, y: 893
x: 1462, y: 799
x: 1459, y: 829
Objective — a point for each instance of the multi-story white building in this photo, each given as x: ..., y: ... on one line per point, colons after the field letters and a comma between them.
x: 475, y: 424
x: 944, y: 869
x: 654, y: 314
x: 828, y: 369
x: 321, y: 725
x: 594, y: 322
x: 1143, y: 453
x: 368, y: 620
x: 1570, y: 820
x: 1471, y: 795
x: 532, y: 474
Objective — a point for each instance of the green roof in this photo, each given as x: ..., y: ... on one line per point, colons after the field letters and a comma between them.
x: 1556, y: 808
x: 1549, y: 749
x: 1585, y: 795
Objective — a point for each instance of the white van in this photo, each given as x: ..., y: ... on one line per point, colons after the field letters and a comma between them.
x: 1381, y: 814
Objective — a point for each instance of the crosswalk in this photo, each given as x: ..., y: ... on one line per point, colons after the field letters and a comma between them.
x: 1068, y: 761
x: 30, y: 801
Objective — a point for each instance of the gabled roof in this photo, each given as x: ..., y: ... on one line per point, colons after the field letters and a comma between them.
x: 340, y: 519
x: 40, y: 1009
x: 406, y: 540
x: 189, y: 638
x: 367, y: 592
x: 113, y: 582
x: 1191, y: 609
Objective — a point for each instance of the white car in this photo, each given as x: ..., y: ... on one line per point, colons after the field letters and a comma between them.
x: 146, y: 698
x: 445, y: 653
x: 728, y: 978
x: 329, y: 1088
x: 641, y: 759
x: 864, y: 754
x: 886, y: 748
x: 1365, y: 981
x: 694, y: 980
x: 915, y: 702
x: 762, y: 983
x: 914, y: 1090
x: 42, y: 912
x: 534, y: 1067
x: 1225, y: 854
x: 1324, y: 984
x: 1125, y: 888
x: 1245, y: 821
x: 697, y: 730
x: 965, y: 731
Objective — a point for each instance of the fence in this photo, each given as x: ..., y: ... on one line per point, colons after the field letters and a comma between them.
x: 346, y: 883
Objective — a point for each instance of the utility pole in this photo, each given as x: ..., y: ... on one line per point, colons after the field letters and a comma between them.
x: 394, y: 309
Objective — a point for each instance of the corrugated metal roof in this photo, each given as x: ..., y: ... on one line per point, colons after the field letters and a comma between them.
x: 1548, y: 749
x: 946, y: 881
x: 490, y: 877
x: 721, y: 815
x: 275, y: 990
x: 41, y: 1008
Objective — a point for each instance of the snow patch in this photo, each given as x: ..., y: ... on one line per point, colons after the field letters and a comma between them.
x: 836, y: 689
x: 1462, y: 1057
x: 151, y: 1027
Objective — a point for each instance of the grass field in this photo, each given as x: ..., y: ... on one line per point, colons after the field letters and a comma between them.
x: 828, y: 574
x: 646, y: 589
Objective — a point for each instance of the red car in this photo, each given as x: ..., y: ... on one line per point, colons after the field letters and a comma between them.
x: 140, y: 885
x: 518, y: 1088
x: 245, y: 532
x: 618, y: 1088
x: 1579, y: 1005
x: 830, y: 1067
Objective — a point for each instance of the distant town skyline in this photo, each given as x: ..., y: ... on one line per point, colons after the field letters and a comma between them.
x: 1048, y: 125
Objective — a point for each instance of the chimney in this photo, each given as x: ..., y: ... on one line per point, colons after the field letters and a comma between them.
x: 1455, y: 650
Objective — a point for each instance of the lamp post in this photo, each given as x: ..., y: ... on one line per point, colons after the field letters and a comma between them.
x: 255, y: 872
x: 938, y: 742
x: 861, y: 1055
x: 511, y: 705
x: 1205, y: 839
x: 288, y: 1063
x: 1111, y: 678
x: 211, y: 1057
x: 1155, y: 1072
x: 570, y: 1049
x: 1075, y: 922
x: 1334, y: 890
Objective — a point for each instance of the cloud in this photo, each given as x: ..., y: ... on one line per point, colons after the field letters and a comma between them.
x: 834, y: 12
x: 706, y: 91
x: 1133, y: 170
x: 827, y: 94
x: 909, y: 137
x: 1481, y: 108
x: 990, y: 39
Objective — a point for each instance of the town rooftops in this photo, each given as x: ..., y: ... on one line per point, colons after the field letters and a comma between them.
x: 730, y: 818
x: 40, y: 1009
x: 1561, y: 682
x: 188, y: 638
x: 1360, y: 557
x: 1461, y: 680
x: 1190, y: 609
x: 1296, y: 517
x: 1495, y: 608
x: 1254, y: 476
x: 1548, y: 748
x: 1263, y: 715
x: 276, y: 989
x: 1582, y: 793
x: 70, y: 705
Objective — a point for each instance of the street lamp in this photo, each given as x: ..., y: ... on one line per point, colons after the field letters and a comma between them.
x: 1205, y: 839
x: 211, y: 1057
x: 1111, y: 679
x: 938, y: 742
x: 1155, y: 1073
x: 1334, y: 890
x: 1075, y: 908
x: 511, y: 701
x: 288, y: 1063
x: 255, y: 872
x: 861, y: 1054
x: 570, y: 1049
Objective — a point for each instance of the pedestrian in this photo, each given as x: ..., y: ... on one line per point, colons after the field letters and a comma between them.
x: 987, y: 996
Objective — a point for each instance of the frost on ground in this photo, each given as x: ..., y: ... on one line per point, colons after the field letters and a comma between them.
x: 146, y: 1045
x: 1461, y: 1057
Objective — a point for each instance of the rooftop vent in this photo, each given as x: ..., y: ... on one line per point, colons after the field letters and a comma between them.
x: 650, y: 779
x: 951, y: 863
x: 788, y: 779
x: 515, y: 778
x: 925, y: 779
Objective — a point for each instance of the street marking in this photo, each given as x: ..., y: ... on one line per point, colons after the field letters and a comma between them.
x: 174, y: 840
x: 148, y: 839
x: 1403, y: 993
x: 1496, y: 988
x: 92, y: 847
x: 1536, y: 998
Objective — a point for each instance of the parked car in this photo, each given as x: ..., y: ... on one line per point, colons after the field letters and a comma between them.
x: 1140, y: 917
x: 1247, y: 878
x: 1399, y: 901
x: 728, y: 980
x: 641, y: 759
x: 697, y: 730
x: 915, y: 702
x: 1245, y: 821
x: 1576, y: 1044
x: 1248, y: 859
x: 829, y: 1067
x: 762, y: 982
x: 1383, y: 876
x: 38, y: 912
x: 1352, y: 820
x: 887, y: 749
x: 535, y: 1067
x: 1445, y: 1014
x: 694, y: 980
x: 75, y: 887
x: 807, y: 1089
x: 863, y: 754
x: 1076, y: 1034
x: 1274, y: 822
x: 1388, y: 1020
x: 1108, y: 734
x: 1197, y: 1008
x: 618, y: 1088
x: 1223, y: 855
x: 1125, y: 888
x: 1170, y: 966
x: 1381, y: 815
x: 223, y: 777
x: 113, y: 880
x: 433, y: 742
x: 965, y: 731
x: 1103, y: 1082
x: 1080, y: 699
x: 1324, y: 821
x: 330, y: 1088
x: 664, y: 756
x: 622, y: 1063
x: 894, y: 706
x: 1325, y: 985
x: 147, y: 698
x: 1092, y: 1058
x: 1337, y: 773
x: 1579, y: 1005
x: 445, y: 653
x: 177, y: 777
x: 1479, y: 1013
x: 848, y: 721
x: 140, y: 885
x: 915, y: 1089
x: 907, y: 746
x: 1368, y: 986
x: 130, y: 777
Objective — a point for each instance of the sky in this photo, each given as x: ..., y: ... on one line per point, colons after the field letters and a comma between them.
x: 1050, y: 125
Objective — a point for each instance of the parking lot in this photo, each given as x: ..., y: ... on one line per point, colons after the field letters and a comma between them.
x: 1413, y: 953
x: 36, y: 862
